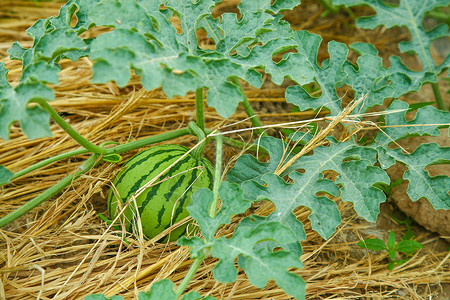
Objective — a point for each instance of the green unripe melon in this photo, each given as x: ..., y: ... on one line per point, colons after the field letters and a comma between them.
x: 164, y: 203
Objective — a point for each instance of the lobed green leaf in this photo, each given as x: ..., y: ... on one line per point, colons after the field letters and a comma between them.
x: 259, y: 263
x: 5, y: 175
x: 409, y: 14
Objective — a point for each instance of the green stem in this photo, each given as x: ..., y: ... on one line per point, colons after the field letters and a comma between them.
x: 111, y: 151
x: 242, y: 145
x: 192, y: 270
x: 330, y: 7
x: 147, y: 141
x: 350, y: 13
x: 47, y: 162
x: 200, y: 134
x: 439, y: 16
x: 438, y: 96
x: 199, y: 108
x: 217, y: 176
x: 248, y: 108
x: 67, y: 128
x: 85, y: 167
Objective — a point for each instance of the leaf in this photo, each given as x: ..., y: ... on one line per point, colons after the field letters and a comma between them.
x: 122, y: 14
x: 150, y: 45
x: 404, y: 80
x: 408, y: 246
x: 409, y: 14
x: 267, y: 5
x: 236, y: 32
x: 398, y: 127
x: 324, y: 216
x: 34, y: 121
x: 391, y: 265
x: 421, y: 184
x: 392, y: 252
x: 354, y: 164
x: 259, y: 263
x: 167, y: 60
x: 248, y: 167
x: 196, y: 296
x: 327, y: 77
x: 372, y: 244
x: 391, y: 240
x: 292, y: 65
x: 5, y: 175
x: 364, y: 48
x: 232, y: 201
x: 190, y: 14
x: 101, y: 297
x: 163, y: 289
x: 370, y: 78
x: 57, y: 42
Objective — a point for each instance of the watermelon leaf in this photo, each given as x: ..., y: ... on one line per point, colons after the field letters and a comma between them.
x: 268, y: 6
x: 368, y: 77
x: 163, y: 289
x: 358, y: 177
x: 177, y: 63
x: 397, y: 127
x: 102, y: 297
x: 34, y: 121
x: 435, y: 189
x: 421, y: 184
x: 259, y: 263
x: 253, y: 242
x: 409, y: 14
x: 248, y: 167
x: 5, y: 175
x: 232, y: 201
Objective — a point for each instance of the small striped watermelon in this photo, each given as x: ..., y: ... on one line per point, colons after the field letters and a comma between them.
x: 164, y: 203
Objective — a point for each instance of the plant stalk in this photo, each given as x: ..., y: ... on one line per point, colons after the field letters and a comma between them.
x: 147, y: 141
x: 438, y: 96
x: 217, y: 176
x: 47, y: 162
x: 330, y: 7
x: 67, y: 128
x: 242, y: 145
x: 192, y: 270
x: 200, y: 134
x: 199, y: 108
x: 85, y: 167
x: 109, y: 151
x: 248, y: 108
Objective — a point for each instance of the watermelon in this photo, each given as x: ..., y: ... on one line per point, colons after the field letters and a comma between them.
x: 163, y: 203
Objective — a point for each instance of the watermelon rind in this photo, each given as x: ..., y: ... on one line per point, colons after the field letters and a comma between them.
x: 164, y: 202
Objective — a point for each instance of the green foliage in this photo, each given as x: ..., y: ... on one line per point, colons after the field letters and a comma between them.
x: 33, y: 120
x: 163, y: 289
x: 359, y: 176
x: 5, y: 175
x: 409, y: 14
x: 405, y: 246
x: 253, y: 242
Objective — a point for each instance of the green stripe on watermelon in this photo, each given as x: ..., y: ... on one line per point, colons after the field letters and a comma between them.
x: 156, y: 203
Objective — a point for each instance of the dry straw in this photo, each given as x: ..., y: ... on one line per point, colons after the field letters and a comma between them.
x: 62, y: 249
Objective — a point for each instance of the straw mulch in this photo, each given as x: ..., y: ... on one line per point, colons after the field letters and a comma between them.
x: 61, y: 249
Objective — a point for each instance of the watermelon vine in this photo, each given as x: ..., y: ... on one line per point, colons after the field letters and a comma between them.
x: 144, y: 40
